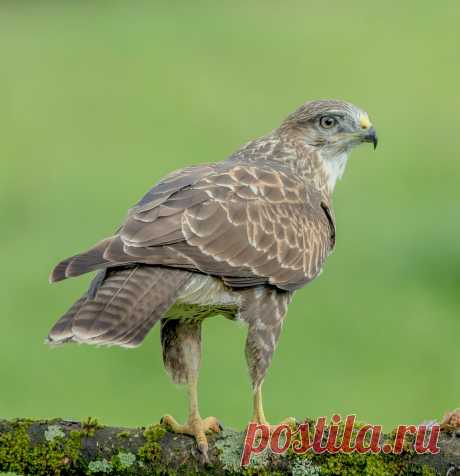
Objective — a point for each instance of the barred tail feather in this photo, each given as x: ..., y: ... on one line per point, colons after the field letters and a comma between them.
x: 121, y: 311
x: 61, y: 332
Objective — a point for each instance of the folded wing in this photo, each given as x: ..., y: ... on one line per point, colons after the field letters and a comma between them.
x: 247, y: 224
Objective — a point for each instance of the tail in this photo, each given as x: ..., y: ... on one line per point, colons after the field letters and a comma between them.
x: 108, y: 252
x: 121, y: 306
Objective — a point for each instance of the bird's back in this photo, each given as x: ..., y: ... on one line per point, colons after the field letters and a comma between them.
x: 195, y: 239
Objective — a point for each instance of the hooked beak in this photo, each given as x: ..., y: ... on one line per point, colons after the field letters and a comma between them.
x: 371, y: 136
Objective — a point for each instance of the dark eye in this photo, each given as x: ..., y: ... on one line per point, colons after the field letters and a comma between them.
x: 326, y: 122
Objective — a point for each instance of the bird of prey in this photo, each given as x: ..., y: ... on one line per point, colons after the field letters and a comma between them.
x: 235, y: 238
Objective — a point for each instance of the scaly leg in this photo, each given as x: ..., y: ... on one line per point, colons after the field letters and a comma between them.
x: 258, y: 415
x: 195, y: 426
x: 181, y: 343
x: 264, y: 312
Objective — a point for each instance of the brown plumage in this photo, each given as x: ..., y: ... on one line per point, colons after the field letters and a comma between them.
x: 235, y: 238
x: 248, y: 224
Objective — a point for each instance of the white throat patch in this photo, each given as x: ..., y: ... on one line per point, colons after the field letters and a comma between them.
x: 334, y: 168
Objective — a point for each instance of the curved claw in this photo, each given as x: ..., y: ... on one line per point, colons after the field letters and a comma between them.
x: 196, y: 427
x: 291, y: 421
x: 203, y: 449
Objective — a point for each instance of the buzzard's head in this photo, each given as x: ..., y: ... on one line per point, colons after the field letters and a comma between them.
x: 334, y: 126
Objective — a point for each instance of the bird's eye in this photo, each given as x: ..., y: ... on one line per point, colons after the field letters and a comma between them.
x: 326, y: 122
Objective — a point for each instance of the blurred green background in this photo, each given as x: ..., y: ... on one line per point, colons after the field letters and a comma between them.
x: 99, y: 100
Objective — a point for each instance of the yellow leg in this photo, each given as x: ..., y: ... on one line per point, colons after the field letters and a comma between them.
x: 259, y: 415
x: 195, y: 426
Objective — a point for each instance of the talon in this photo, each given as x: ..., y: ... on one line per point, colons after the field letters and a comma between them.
x: 202, y: 444
x: 291, y: 421
x: 167, y: 420
x: 196, y: 427
x: 451, y: 420
x: 203, y: 449
x: 211, y: 424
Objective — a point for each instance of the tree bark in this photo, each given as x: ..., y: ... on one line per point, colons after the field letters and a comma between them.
x: 58, y: 447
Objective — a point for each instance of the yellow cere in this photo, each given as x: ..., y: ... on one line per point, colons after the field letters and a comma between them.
x: 364, y: 121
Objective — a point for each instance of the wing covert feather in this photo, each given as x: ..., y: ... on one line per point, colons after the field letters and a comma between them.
x: 247, y: 224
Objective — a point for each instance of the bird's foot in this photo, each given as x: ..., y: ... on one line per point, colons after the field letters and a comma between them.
x: 451, y: 421
x: 290, y: 421
x: 196, y: 427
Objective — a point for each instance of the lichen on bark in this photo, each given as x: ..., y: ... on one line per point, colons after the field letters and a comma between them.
x: 60, y: 448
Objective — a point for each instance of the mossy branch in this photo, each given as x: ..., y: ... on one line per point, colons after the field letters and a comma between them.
x: 58, y: 447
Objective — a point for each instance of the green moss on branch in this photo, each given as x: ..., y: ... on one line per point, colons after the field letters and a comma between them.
x: 60, y: 448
